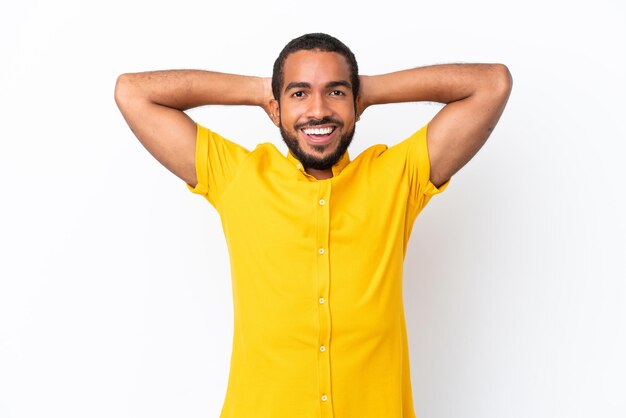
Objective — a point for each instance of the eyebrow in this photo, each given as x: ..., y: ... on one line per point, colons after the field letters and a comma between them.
x: 330, y: 84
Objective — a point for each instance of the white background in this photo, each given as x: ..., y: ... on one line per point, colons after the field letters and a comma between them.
x: 115, y: 297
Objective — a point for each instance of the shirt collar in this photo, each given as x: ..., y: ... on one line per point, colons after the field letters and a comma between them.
x: 337, y: 168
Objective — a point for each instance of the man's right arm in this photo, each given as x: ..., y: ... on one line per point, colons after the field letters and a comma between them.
x: 153, y: 105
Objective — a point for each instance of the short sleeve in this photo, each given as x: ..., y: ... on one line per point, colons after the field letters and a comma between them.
x: 411, y: 157
x: 420, y: 159
x: 217, y: 163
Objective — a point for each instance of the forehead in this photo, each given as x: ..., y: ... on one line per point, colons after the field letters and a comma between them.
x: 315, y: 67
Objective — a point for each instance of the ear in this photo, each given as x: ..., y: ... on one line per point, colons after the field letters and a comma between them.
x: 275, y: 112
x: 358, y: 108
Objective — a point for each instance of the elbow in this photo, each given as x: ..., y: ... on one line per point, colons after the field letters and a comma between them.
x: 496, y: 83
x: 120, y: 86
x: 502, y: 79
x: 122, y: 89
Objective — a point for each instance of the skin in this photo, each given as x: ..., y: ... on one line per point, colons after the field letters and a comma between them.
x: 153, y: 105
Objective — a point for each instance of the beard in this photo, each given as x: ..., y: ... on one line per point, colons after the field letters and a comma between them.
x: 312, y: 161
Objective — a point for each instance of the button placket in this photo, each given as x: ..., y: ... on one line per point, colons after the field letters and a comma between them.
x: 323, y: 287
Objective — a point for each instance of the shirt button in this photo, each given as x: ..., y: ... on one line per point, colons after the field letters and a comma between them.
x: 298, y: 166
x: 324, y: 397
x: 322, y: 201
x: 321, y: 300
x: 322, y: 349
x: 321, y: 251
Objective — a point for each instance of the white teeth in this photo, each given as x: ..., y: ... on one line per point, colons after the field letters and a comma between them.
x: 318, y: 131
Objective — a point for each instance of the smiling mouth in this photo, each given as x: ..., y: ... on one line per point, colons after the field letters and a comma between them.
x: 319, y: 135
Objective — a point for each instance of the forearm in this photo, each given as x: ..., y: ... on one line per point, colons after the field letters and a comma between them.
x: 443, y: 83
x: 186, y: 89
x: 475, y: 96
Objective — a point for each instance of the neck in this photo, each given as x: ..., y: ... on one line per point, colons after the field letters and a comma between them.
x: 320, y: 174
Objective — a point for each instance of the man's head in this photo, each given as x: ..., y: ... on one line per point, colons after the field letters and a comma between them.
x: 315, y: 84
x: 309, y: 42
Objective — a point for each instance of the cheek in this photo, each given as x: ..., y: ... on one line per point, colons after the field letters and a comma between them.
x: 348, y: 111
x: 285, y: 112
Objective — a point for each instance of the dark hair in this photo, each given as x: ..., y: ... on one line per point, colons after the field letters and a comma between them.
x: 310, y: 41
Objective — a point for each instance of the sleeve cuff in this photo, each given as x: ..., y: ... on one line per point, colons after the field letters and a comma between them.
x: 201, y: 161
x: 432, y: 190
x: 199, y: 189
x: 423, y: 169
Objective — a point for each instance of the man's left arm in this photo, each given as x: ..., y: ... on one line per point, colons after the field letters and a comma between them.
x: 475, y: 96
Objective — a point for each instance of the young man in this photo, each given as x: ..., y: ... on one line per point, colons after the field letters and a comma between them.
x: 317, y: 240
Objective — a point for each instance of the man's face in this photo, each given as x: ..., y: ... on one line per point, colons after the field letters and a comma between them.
x: 317, y: 114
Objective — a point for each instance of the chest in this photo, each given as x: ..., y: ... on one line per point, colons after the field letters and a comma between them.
x: 285, y: 214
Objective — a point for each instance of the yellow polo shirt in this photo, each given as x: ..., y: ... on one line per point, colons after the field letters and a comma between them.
x: 319, y: 328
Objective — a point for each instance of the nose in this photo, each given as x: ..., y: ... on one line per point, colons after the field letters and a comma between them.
x: 318, y: 107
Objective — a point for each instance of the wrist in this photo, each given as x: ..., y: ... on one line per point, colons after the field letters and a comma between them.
x: 263, y: 91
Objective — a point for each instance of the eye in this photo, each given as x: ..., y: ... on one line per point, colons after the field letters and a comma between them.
x: 337, y: 93
x: 298, y: 94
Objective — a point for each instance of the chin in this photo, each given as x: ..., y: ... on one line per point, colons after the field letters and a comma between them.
x: 317, y: 156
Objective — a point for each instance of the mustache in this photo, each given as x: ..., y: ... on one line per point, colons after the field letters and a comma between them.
x: 316, y: 122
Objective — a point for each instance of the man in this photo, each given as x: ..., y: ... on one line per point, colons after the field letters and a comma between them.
x: 317, y: 240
